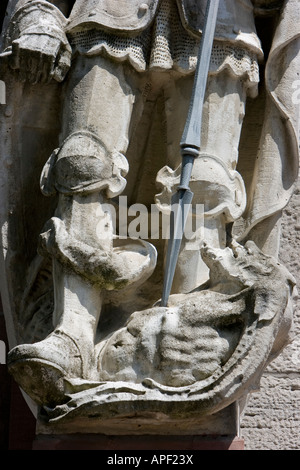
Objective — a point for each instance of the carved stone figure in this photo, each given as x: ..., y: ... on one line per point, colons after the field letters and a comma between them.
x: 103, y: 87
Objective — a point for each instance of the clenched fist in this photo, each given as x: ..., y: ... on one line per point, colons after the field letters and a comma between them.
x: 40, y: 57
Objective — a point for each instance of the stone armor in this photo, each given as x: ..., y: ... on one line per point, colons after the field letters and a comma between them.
x: 235, y: 18
x: 92, y: 338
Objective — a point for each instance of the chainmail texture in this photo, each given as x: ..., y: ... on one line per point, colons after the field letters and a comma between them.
x: 165, y: 46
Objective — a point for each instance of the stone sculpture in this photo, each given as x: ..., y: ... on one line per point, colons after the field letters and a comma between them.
x: 87, y: 321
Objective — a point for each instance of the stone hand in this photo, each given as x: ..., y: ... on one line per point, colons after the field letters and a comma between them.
x: 40, y: 58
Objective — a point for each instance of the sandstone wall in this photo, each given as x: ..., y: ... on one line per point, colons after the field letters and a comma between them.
x: 271, y: 420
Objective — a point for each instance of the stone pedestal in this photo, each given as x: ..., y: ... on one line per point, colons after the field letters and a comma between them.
x: 142, y: 431
x: 137, y: 443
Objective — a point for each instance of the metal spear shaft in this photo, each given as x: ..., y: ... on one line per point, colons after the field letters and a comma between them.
x: 190, y: 149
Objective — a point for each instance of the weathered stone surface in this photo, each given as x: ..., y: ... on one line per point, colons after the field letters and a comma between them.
x: 271, y: 418
x: 92, y: 338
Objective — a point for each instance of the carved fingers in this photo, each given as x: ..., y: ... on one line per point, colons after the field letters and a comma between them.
x: 63, y: 63
x: 40, y: 58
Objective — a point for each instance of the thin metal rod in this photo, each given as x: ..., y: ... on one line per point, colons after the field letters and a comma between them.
x: 191, y: 137
x: 190, y: 148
